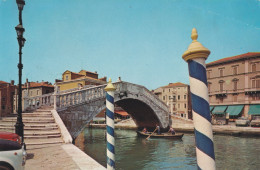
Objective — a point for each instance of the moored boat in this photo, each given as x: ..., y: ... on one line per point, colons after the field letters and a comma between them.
x: 162, y: 135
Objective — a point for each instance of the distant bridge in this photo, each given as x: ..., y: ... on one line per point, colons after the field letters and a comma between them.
x: 78, y: 107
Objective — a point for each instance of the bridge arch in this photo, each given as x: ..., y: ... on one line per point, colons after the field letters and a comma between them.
x: 77, y: 108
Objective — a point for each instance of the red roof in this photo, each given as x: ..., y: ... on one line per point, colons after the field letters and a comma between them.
x: 35, y: 84
x: 233, y: 58
x: 3, y: 82
x: 175, y: 85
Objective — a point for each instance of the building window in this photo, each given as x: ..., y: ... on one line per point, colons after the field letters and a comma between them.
x: 179, y: 97
x: 38, y: 92
x: 254, y: 67
x: 169, y: 90
x: 234, y: 70
x: 3, y: 107
x: 256, y: 96
x: 185, y: 105
x: 208, y: 74
x: 221, y: 72
x: 184, y: 96
x: 235, y: 98
x: 163, y: 97
x: 209, y: 86
x: 163, y: 90
x: 31, y: 93
x: 256, y: 83
x: 221, y: 86
x: 3, y: 99
x: 253, y: 83
x: 235, y: 85
x: 66, y: 77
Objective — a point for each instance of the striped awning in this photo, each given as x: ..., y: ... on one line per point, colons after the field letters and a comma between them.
x: 218, y: 110
x: 254, y: 109
x: 234, y: 110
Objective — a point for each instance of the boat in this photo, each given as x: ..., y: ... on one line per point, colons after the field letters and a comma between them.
x: 162, y: 135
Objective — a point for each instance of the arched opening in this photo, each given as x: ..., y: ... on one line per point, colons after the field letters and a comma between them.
x: 142, y: 114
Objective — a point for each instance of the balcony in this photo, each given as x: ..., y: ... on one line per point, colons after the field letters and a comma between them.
x: 249, y: 91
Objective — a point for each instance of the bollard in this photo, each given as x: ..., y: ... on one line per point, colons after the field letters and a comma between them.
x: 196, y: 56
x: 110, y: 89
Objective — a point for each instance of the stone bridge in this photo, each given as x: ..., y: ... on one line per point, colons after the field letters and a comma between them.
x: 79, y: 106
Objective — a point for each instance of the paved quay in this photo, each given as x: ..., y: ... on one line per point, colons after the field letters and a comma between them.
x: 60, y: 157
x: 183, y: 125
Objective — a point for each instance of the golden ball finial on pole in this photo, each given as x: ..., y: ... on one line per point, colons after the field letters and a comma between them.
x: 195, y: 49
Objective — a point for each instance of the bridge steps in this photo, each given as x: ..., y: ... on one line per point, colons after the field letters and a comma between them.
x: 40, y: 129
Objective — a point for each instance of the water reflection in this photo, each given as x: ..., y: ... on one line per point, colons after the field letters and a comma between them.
x: 133, y: 152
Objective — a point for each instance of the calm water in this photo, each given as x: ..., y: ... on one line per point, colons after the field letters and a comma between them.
x: 135, y: 153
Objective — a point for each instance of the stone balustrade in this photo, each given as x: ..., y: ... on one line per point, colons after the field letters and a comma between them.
x: 72, y: 97
x: 33, y: 103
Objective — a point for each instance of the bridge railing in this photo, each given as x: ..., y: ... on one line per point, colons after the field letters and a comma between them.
x: 64, y: 99
x: 71, y: 98
x: 33, y: 103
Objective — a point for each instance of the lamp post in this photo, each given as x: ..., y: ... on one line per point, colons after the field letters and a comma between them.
x: 20, y: 30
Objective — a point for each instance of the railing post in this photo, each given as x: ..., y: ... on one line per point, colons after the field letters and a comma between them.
x: 196, y: 56
x: 110, y: 89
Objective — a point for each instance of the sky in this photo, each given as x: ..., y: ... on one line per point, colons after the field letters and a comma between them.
x: 141, y: 41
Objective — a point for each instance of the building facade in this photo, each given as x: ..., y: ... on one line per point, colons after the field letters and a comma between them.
x: 71, y: 80
x: 7, y: 92
x: 32, y: 89
x: 234, y: 84
x: 177, y: 98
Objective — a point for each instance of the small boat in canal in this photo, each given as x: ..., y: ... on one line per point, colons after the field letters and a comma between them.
x: 162, y: 135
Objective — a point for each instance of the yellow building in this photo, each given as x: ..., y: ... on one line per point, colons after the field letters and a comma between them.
x: 71, y: 80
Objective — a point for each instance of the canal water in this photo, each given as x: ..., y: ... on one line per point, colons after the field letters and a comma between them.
x: 135, y: 153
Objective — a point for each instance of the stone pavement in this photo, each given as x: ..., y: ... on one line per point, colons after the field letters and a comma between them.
x: 60, y: 157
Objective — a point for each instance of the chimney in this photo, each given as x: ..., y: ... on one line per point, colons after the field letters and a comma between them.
x: 12, y: 82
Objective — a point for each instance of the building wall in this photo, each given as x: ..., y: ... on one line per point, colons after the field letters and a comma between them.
x: 7, y: 92
x: 176, y: 97
x: 70, y: 85
x: 34, y: 91
x: 237, y: 85
x: 72, y: 80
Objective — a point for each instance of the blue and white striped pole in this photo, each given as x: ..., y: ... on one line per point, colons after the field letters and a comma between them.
x: 196, y: 56
x: 110, y: 89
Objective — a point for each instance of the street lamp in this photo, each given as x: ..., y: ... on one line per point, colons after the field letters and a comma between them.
x: 19, y: 126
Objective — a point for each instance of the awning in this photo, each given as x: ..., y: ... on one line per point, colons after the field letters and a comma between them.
x: 218, y: 110
x: 122, y: 113
x: 254, y: 109
x: 211, y: 108
x: 234, y: 110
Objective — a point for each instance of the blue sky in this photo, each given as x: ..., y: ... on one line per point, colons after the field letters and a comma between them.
x: 140, y: 40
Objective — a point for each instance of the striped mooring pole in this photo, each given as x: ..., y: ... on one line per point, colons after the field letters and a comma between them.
x: 110, y: 89
x: 196, y: 56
